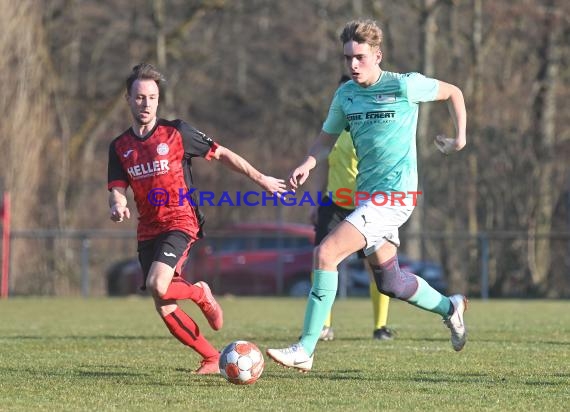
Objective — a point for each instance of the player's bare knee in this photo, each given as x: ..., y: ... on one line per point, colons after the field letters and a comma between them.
x: 157, y: 289
x: 325, y: 256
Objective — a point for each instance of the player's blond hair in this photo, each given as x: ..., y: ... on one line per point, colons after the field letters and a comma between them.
x: 362, y: 31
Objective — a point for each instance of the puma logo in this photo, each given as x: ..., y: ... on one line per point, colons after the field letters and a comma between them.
x: 365, y: 221
x: 319, y: 297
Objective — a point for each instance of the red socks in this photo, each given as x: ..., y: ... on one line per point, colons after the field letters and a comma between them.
x: 186, y: 331
x: 180, y: 325
x: 181, y: 289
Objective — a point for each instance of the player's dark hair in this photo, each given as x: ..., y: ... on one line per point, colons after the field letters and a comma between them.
x: 145, y: 71
x: 362, y: 31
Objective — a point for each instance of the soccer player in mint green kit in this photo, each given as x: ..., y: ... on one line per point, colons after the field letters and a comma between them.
x: 381, y: 109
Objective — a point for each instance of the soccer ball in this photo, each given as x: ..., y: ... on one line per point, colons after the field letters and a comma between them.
x: 241, y: 362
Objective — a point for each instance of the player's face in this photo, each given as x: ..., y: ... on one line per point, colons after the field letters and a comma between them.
x: 143, y: 101
x: 363, y: 62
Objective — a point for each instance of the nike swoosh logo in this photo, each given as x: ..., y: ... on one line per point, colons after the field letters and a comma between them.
x: 169, y: 254
x: 298, y: 363
x: 317, y: 296
x: 128, y: 152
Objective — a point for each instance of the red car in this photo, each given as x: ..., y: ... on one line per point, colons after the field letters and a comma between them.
x: 254, y: 259
x: 244, y: 259
x: 263, y: 259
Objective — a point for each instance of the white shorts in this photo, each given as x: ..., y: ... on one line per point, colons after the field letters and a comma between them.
x: 379, y: 224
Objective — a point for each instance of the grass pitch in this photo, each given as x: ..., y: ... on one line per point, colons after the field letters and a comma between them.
x: 116, y: 355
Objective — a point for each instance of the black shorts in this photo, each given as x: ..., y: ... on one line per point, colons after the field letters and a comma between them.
x: 329, y: 215
x: 170, y: 248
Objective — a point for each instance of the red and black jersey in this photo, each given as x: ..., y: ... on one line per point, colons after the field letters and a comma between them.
x: 157, y: 167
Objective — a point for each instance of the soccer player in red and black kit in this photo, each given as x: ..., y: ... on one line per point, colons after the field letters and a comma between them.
x: 153, y: 157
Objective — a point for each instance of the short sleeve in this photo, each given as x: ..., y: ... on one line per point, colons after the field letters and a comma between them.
x: 420, y: 88
x: 336, y: 121
x: 116, y: 175
x: 196, y: 143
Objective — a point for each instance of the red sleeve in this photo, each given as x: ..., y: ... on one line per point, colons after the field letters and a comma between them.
x: 117, y: 183
x: 210, y: 154
x: 116, y: 175
x: 196, y: 143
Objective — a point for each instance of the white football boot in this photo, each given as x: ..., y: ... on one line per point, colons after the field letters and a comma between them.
x: 455, y: 322
x: 327, y: 333
x: 292, y: 357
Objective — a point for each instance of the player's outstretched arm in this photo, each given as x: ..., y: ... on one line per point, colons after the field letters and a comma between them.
x: 456, y: 104
x: 318, y: 151
x: 238, y: 164
x: 118, y: 204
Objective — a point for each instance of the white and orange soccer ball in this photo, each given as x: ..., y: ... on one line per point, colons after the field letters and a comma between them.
x: 241, y: 362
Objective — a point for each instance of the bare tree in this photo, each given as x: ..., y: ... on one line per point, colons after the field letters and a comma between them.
x: 428, y: 14
x: 545, y: 106
x: 27, y: 125
x: 259, y: 76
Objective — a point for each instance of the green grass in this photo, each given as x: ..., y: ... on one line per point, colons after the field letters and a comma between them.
x: 115, y: 354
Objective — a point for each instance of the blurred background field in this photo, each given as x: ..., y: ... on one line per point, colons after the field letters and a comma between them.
x: 258, y: 75
x: 114, y: 354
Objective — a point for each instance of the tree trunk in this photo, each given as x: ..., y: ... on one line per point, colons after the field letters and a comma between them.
x: 415, y: 245
x: 476, y: 104
x: 545, y: 111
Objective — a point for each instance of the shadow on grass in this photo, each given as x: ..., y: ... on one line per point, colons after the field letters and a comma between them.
x: 187, y: 378
x: 470, y: 339
x: 86, y: 371
x: 115, y: 373
x: 109, y: 374
x: 429, y: 377
x: 81, y: 337
x: 481, y: 378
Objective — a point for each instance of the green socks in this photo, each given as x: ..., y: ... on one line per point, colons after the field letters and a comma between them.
x: 321, y: 299
x: 429, y: 299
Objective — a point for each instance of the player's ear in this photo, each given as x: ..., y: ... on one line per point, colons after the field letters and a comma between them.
x: 379, y: 56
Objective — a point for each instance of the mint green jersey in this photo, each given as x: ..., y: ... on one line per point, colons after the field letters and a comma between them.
x: 383, y: 121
